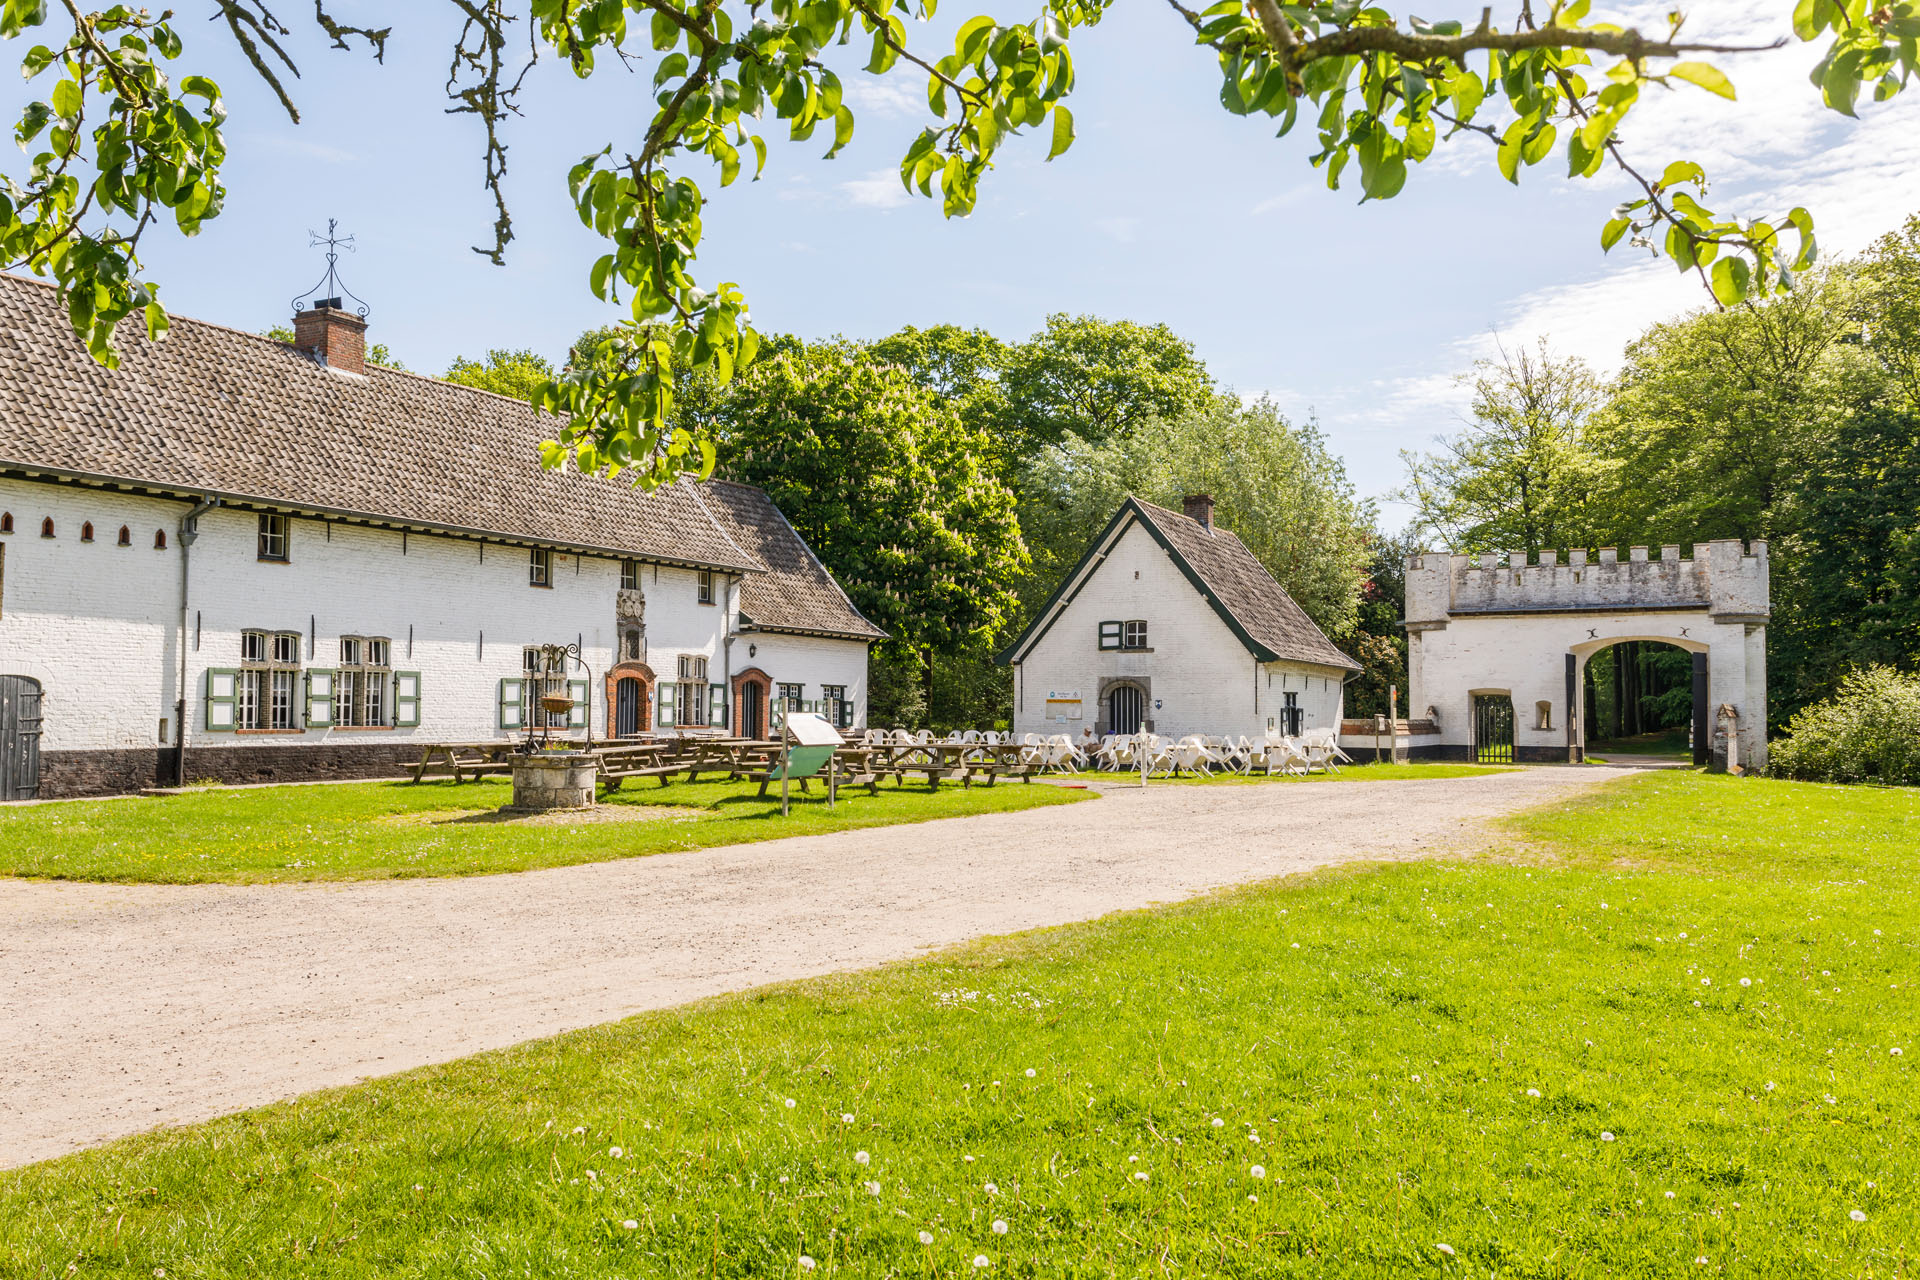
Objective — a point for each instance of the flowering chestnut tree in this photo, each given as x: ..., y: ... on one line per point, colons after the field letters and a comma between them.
x: 121, y: 142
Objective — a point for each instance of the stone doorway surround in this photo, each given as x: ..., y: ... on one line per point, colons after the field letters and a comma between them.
x: 630, y: 671
x: 1107, y: 685
x: 741, y: 679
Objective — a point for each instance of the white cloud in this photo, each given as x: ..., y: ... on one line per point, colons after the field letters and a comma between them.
x: 879, y: 189
x: 884, y: 98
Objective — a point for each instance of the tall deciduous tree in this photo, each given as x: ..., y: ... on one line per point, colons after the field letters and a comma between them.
x: 1274, y: 484
x: 1097, y: 378
x: 125, y: 145
x: 519, y: 374
x: 1519, y: 477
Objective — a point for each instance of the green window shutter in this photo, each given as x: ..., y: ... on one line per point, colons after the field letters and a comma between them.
x: 512, y: 690
x: 577, y: 713
x: 717, y: 706
x: 406, y: 699
x: 667, y: 689
x: 319, y: 698
x: 1110, y: 635
x: 223, y: 688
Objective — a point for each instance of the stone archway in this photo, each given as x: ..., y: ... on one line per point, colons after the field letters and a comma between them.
x: 1580, y: 658
x: 1530, y: 627
x: 752, y: 694
x: 641, y: 674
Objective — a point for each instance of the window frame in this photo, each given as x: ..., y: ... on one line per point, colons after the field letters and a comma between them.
x: 703, y: 586
x: 629, y: 575
x: 268, y: 686
x: 540, y: 567
x: 1133, y: 635
x: 274, y: 529
x: 1110, y: 632
x: 363, y: 684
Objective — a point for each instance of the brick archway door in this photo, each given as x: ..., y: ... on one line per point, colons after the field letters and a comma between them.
x: 752, y: 691
x: 629, y: 699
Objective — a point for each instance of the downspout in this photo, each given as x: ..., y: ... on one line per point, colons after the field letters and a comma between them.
x: 189, y: 530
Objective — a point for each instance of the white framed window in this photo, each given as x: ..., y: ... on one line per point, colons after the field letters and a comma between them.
x: 629, y: 575
x: 1133, y: 634
x: 540, y: 567
x: 706, y: 587
x: 273, y: 537
x: 1292, y: 714
x: 265, y: 687
x: 790, y: 694
x: 360, y: 689
x: 834, y: 705
x: 691, y: 706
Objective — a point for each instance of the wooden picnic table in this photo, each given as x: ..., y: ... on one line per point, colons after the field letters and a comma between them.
x: 938, y: 761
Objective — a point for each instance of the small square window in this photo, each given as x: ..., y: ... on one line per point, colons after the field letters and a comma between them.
x: 540, y: 567
x: 286, y: 648
x: 706, y: 587
x: 273, y: 537
x: 629, y: 575
x: 1134, y: 636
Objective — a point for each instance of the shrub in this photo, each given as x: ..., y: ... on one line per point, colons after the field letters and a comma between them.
x: 1868, y: 732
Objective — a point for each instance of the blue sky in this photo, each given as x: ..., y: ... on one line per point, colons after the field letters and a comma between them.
x: 1167, y: 209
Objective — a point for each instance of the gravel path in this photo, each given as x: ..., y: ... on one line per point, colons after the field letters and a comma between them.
x: 124, y: 1007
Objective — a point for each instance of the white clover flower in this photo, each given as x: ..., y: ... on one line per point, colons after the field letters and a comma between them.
x: 1858, y: 1216
x: 1031, y: 1073
x: 1770, y: 1086
x: 790, y: 1105
x: 1683, y: 935
x: 783, y: 1178
x: 1826, y: 973
x: 873, y: 1188
x: 1706, y: 982
x: 1218, y: 1123
x: 1253, y: 1199
x: 631, y: 1225
x: 591, y: 1174
x: 614, y: 1152
x: 1605, y: 1136
x: 1669, y: 1195
x: 1533, y: 1093
x: 990, y: 1189
x: 1746, y: 982
x: 861, y: 1157
x: 980, y: 1262
x: 1701, y: 1261
x: 1445, y: 1248
x: 1895, y: 1051
x: 1258, y: 1171
x: 1296, y: 946
x: 999, y: 1226
x: 968, y: 1159
x: 846, y: 1117
x: 1831, y: 1100
x: 579, y: 1129
x: 926, y: 1237
x: 806, y: 1263
x: 1696, y: 1004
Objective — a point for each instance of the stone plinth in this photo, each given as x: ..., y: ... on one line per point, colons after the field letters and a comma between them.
x: 548, y: 780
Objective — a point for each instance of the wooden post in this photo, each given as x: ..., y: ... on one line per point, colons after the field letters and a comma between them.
x: 786, y: 763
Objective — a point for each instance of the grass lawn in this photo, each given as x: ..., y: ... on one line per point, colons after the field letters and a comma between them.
x: 379, y: 830
x: 1668, y: 1031
x: 1348, y: 773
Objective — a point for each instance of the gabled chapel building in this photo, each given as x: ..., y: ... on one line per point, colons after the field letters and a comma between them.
x: 244, y: 560
x: 1170, y: 625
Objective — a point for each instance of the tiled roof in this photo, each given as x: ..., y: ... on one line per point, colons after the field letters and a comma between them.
x: 799, y: 595
x: 215, y: 410
x: 1241, y: 586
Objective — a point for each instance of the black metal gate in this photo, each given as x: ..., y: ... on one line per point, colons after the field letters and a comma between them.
x: 626, y: 707
x: 1493, y: 729
x: 1702, y: 726
x: 1126, y: 708
x: 19, y: 738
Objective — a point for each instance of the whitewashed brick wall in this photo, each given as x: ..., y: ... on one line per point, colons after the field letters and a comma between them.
x: 809, y: 661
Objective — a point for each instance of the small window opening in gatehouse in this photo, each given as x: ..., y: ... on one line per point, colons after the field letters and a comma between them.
x: 159, y: 539
x: 86, y: 531
x: 46, y: 527
x: 1543, y: 715
x: 126, y: 536
x: 163, y: 729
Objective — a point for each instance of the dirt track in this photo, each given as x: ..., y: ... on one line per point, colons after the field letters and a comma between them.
x: 123, y: 1007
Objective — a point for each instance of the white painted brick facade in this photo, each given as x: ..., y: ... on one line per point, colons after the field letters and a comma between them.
x: 97, y: 624
x: 1201, y: 677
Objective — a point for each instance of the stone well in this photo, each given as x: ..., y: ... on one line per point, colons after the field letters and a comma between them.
x: 547, y: 780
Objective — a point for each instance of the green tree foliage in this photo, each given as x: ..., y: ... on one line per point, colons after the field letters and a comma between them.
x: 1520, y: 476
x: 1868, y: 732
x: 519, y: 374
x: 122, y: 145
x: 1378, y: 641
x: 1097, y: 378
x: 1274, y: 483
x: 886, y: 485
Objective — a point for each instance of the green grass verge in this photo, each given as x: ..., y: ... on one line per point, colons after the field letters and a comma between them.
x: 383, y: 830
x: 1348, y: 773
x: 1655, y: 1028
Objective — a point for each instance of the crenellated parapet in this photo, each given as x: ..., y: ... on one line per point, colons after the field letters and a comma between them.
x: 1724, y: 577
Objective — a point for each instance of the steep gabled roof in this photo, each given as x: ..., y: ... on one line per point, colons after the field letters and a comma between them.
x: 212, y: 410
x: 1255, y: 607
x: 798, y: 595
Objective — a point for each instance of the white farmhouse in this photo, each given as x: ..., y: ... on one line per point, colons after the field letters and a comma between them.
x: 240, y: 559
x: 1170, y: 625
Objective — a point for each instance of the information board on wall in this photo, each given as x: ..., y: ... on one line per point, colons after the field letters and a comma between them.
x: 1063, y: 705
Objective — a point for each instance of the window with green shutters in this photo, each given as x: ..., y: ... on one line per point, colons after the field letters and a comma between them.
x: 511, y: 703
x: 1110, y: 633
x: 320, y: 682
x: 406, y: 699
x: 577, y: 713
x: 717, y: 706
x: 223, y: 691
x: 665, y: 718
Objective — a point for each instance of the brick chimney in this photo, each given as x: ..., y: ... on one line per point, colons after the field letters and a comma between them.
x: 335, y: 336
x: 1198, y: 506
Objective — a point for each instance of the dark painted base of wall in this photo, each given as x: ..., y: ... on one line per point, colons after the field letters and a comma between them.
x: 1442, y: 752
x: 105, y: 773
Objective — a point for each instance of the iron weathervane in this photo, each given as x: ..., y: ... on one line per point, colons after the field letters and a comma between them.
x: 330, y: 290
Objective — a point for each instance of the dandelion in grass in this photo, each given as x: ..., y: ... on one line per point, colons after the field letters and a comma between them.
x: 791, y: 1104
x: 1533, y: 1093
x: 1445, y: 1248
x: 926, y: 1237
x: 1895, y: 1051
x: 873, y: 1188
x: 1140, y: 1176
x: 1218, y: 1123
x: 1669, y: 1195
x: 579, y: 1129
x: 1770, y: 1086
x: 614, y: 1152
x: 1605, y: 1136
x: 999, y: 1226
x: 806, y: 1263
x: 631, y: 1225
x: 1133, y: 1159
x: 783, y: 1179
x: 1416, y: 1079
x: 1031, y: 1073
x: 980, y: 1262
x: 1706, y: 982
x: 846, y: 1117
x: 1858, y: 1216
x: 861, y: 1157
x: 990, y: 1189
x: 1258, y: 1171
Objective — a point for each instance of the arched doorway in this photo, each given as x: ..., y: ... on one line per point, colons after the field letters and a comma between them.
x: 19, y: 738
x: 1644, y: 699
x: 629, y: 699
x: 1126, y: 708
x: 751, y: 690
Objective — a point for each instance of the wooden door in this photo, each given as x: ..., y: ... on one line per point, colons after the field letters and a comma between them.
x: 19, y: 738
